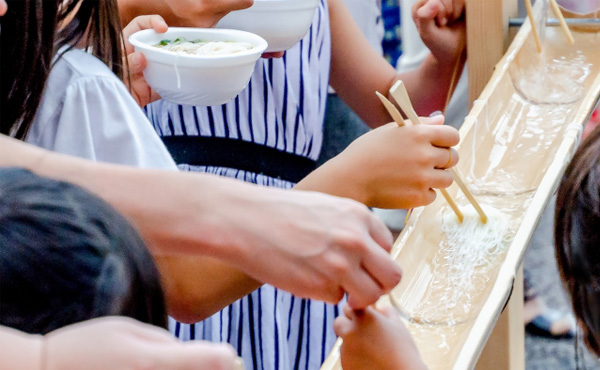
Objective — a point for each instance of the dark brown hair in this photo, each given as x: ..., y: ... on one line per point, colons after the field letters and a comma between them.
x: 67, y: 256
x: 577, y: 236
x: 32, y: 33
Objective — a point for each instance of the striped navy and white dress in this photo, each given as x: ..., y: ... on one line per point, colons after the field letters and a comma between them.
x: 282, y: 109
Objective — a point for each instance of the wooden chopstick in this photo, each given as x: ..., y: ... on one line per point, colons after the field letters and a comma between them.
x: 533, y: 26
x: 392, y: 110
x: 563, y: 23
x: 399, y: 92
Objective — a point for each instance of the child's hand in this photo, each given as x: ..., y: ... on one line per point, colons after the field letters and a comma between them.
x: 141, y: 91
x: 391, y: 166
x: 442, y: 27
x: 376, y: 340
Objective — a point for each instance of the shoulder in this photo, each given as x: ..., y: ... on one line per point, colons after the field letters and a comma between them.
x: 77, y: 75
x: 81, y: 73
x: 77, y: 64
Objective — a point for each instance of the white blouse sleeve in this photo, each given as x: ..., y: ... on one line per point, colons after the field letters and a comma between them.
x: 100, y: 120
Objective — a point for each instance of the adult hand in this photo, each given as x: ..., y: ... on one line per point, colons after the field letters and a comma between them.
x: 204, y: 13
x: 391, y: 166
x: 3, y: 7
x: 122, y: 343
x: 138, y: 86
x: 376, y: 339
x: 312, y: 245
x: 317, y: 246
x: 442, y: 27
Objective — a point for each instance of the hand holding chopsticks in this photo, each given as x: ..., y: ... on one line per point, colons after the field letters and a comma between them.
x: 398, y: 91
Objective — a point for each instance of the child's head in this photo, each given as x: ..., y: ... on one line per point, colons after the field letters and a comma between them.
x: 577, y: 236
x: 32, y: 32
x: 67, y: 256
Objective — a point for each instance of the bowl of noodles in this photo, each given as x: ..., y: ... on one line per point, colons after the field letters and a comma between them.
x: 197, y: 66
x: 283, y: 23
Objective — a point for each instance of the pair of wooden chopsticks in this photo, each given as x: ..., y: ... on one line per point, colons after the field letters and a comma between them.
x: 399, y: 93
x: 559, y: 15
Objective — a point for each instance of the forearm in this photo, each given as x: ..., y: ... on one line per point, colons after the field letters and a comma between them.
x: 323, y: 180
x: 175, y: 212
x: 429, y: 85
x: 198, y: 287
x: 20, y: 351
x: 357, y: 71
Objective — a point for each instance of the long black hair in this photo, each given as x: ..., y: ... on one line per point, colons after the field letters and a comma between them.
x: 32, y: 31
x: 577, y: 237
x: 66, y: 256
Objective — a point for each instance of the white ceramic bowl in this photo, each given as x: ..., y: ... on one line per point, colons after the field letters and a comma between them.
x: 283, y: 23
x: 198, y: 80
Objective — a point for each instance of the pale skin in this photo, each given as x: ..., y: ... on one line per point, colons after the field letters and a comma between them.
x: 405, y: 164
x: 330, y: 247
x: 110, y: 343
x: 376, y: 339
x: 167, y: 214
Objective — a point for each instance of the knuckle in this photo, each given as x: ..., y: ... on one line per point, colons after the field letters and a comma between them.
x: 339, y: 267
x: 350, y: 241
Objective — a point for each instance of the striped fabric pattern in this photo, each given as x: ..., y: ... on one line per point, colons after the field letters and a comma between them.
x: 283, y: 107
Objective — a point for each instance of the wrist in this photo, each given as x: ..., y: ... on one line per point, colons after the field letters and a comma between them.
x: 331, y: 178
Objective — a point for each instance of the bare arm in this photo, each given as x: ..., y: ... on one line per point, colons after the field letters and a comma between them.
x: 310, y: 244
x: 101, y: 344
x: 198, y: 287
x: 391, y: 167
x: 357, y: 70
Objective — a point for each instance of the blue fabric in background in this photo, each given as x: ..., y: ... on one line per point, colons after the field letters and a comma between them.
x: 392, y: 43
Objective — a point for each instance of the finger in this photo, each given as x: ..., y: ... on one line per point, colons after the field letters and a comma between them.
x: 448, y: 13
x: 445, y: 158
x: 441, y: 179
x: 445, y: 11
x: 434, y: 120
x: 362, y: 288
x: 331, y: 293
x: 380, y: 233
x: 430, y: 10
x: 342, y: 326
x: 137, y: 63
x: 349, y: 312
x: 444, y: 136
x: 426, y: 22
x: 458, y: 8
x: 144, y: 22
x: 277, y: 54
x: 3, y: 7
x: 382, y: 268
